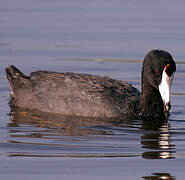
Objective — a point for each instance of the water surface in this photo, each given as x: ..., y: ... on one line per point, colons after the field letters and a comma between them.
x: 97, y: 37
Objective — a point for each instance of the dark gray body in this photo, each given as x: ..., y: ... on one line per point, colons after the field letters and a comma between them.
x: 73, y: 94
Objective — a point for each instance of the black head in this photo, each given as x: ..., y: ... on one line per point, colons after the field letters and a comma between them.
x: 157, y: 76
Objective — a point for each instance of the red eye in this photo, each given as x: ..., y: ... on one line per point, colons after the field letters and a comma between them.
x: 156, y: 71
x: 168, y: 69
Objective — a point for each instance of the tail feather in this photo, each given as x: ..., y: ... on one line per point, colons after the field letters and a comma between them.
x: 13, y: 74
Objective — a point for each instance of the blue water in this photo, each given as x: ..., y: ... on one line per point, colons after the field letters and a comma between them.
x: 108, y: 38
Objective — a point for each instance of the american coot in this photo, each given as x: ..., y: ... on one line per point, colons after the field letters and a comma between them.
x: 94, y: 96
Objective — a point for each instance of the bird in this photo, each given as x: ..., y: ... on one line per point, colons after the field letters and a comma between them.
x: 85, y: 95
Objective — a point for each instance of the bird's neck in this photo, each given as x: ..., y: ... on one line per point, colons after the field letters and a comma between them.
x: 151, y: 102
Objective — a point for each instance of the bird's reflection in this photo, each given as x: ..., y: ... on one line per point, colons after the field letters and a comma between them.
x: 69, y: 125
x: 159, y: 176
x: 156, y: 139
x: 155, y: 135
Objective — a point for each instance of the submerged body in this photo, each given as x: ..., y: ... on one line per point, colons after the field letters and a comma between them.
x: 91, y: 95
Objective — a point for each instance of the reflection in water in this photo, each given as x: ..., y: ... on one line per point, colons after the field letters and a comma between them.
x: 156, y: 137
x: 159, y: 176
x: 100, y: 137
x: 61, y: 136
x: 48, y: 135
x: 68, y: 125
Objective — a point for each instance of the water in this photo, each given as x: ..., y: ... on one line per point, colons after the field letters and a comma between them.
x: 98, y: 37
